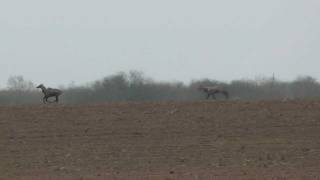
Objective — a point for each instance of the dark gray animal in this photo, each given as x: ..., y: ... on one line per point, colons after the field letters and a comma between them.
x: 49, y: 92
x: 213, y: 90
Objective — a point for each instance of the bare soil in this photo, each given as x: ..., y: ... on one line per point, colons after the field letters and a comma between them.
x: 205, y: 140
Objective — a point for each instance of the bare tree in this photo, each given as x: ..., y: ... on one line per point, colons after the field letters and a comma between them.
x: 18, y: 83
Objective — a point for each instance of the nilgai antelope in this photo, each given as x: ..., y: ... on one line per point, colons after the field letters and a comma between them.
x: 213, y: 90
x: 49, y: 92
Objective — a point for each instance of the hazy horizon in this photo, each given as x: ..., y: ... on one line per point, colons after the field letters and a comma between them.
x: 80, y: 41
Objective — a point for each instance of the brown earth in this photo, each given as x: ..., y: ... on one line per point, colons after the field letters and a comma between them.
x: 173, y: 140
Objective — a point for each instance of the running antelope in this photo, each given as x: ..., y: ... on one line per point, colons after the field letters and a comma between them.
x: 49, y: 92
x: 213, y: 90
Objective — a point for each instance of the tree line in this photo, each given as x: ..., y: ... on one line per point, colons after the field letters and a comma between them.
x: 135, y: 86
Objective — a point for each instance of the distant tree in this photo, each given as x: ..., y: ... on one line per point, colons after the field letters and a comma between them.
x: 135, y: 86
x: 138, y: 78
x: 18, y: 83
x: 305, y: 87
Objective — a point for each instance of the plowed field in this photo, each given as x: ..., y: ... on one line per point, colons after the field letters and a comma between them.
x: 173, y: 140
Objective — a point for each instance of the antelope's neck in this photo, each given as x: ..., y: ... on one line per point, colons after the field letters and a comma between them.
x: 44, y: 89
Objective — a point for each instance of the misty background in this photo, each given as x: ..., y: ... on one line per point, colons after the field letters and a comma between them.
x: 134, y: 86
x: 75, y: 43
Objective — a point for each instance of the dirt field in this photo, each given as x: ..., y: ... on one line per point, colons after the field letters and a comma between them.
x: 162, y: 141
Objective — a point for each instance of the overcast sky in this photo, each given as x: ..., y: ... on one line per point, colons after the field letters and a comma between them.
x: 57, y: 42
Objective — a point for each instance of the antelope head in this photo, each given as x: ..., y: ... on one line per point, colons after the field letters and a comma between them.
x: 40, y: 86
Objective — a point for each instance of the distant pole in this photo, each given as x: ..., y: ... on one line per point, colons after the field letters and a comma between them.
x: 273, y: 79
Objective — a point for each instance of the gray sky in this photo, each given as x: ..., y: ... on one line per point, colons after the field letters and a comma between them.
x: 57, y: 42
